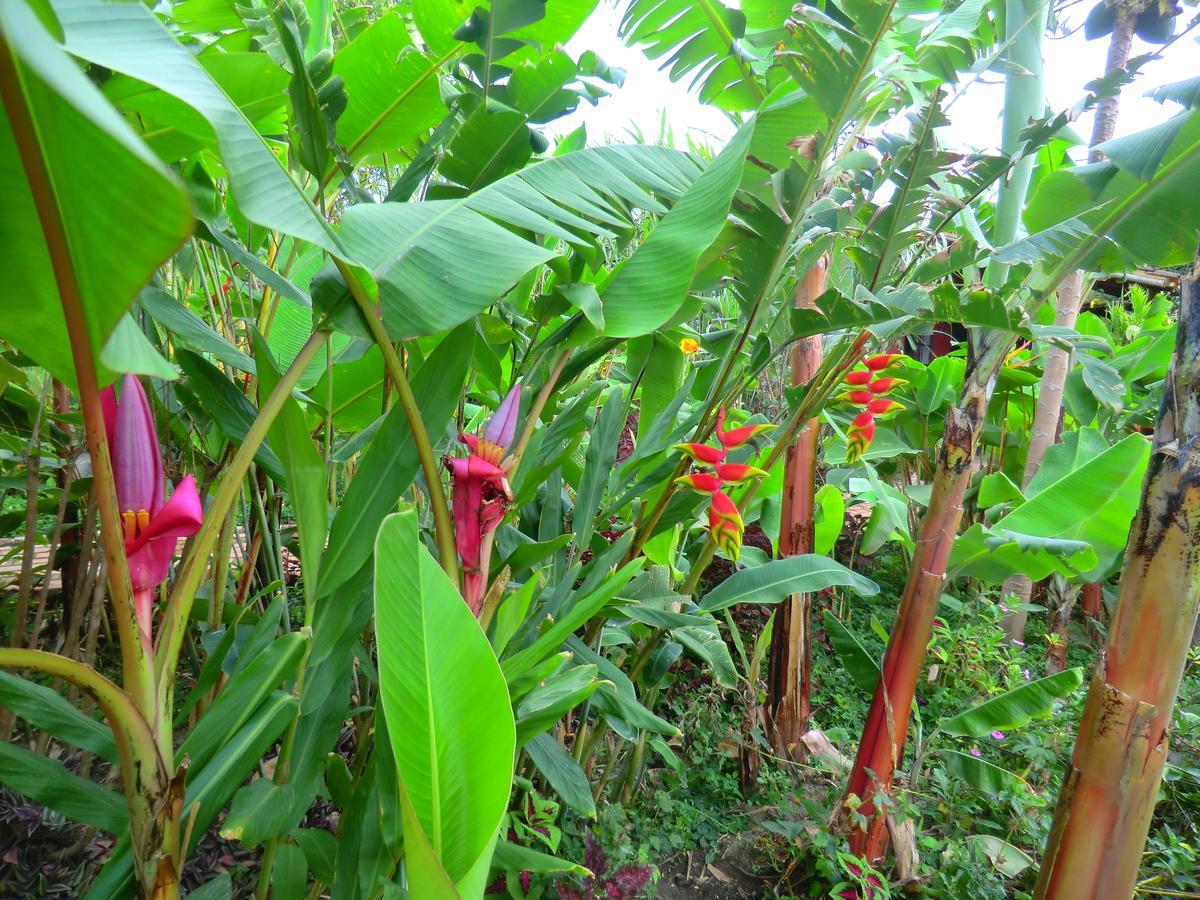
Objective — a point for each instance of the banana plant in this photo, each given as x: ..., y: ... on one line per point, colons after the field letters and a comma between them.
x: 1144, y: 186
x: 1110, y: 790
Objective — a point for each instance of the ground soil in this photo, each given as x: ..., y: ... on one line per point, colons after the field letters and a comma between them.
x: 739, y: 872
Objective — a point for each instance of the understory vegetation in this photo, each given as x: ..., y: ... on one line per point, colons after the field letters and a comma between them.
x: 404, y: 493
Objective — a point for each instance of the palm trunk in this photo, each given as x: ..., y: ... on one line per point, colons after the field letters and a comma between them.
x: 1119, y: 45
x: 882, y: 744
x: 1017, y: 587
x: 789, y: 679
x: 1110, y: 789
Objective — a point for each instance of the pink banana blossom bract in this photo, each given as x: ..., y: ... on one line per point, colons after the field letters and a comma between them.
x: 482, y: 495
x: 152, y: 527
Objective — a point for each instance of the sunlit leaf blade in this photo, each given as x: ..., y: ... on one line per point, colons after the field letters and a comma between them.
x: 128, y: 38
x: 391, y: 89
x: 1132, y: 204
x: 58, y: 123
x: 447, y: 705
x: 779, y: 578
x: 414, y: 251
x: 648, y: 289
x: 703, y: 40
x: 1076, y: 526
x: 1014, y: 708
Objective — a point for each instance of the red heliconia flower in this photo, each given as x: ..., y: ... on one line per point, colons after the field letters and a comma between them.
x: 482, y: 495
x: 725, y: 524
x: 859, y: 377
x: 724, y: 520
x: 702, y: 482
x: 735, y: 473
x: 736, y: 437
x: 703, y: 453
x: 881, y: 406
x: 859, y: 436
x: 883, y: 385
x: 152, y: 527
x: 881, y: 362
x: 859, y: 398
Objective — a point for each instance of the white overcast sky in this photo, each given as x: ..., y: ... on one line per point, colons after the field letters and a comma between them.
x: 1071, y: 62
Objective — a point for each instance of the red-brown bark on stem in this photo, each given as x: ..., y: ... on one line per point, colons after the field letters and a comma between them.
x: 1110, y: 789
x: 789, y: 678
x: 882, y: 744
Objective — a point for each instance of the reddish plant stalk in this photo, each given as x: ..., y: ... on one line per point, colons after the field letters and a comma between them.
x: 135, y: 667
x: 1109, y: 792
x: 1044, y: 433
x: 1093, y: 599
x: 882, y: 743
x: 789, y: 679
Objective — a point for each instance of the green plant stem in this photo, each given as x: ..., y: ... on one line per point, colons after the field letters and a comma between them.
x: 770, y: 283
x: 179, y: 605
x: 136, y: 671
x: 143, y: 767
x: 442, y: 522
x: 535, y: 411
x: 824, y: 385
x: 283, y: 765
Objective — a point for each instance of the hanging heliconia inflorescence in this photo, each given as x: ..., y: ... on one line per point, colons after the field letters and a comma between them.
x: 868, y: 391
x: 724, y: 519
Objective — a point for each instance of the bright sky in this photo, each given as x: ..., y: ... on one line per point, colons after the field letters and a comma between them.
x: 1071, y: 62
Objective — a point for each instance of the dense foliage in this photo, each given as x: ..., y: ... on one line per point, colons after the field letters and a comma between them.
x: 404, y: 495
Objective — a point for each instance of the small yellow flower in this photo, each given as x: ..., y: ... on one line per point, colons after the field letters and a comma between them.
x: 689, y: 345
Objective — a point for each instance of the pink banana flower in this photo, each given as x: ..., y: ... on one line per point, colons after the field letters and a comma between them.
x: 482, y: 495
x: 152, y: 527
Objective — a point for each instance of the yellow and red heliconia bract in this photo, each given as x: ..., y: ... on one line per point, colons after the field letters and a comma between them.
x: 736, y: 437
x: 881, y: 362
x: 869, y: 391
x: 859, y: 436
x: 703, y: 453
x: 725, y: 524
x: 735, y: 473
x: 724, y: 520
x: 883, y: 385
x: 703, y: 482
x: 881, y: 406
x: 859, y: 377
